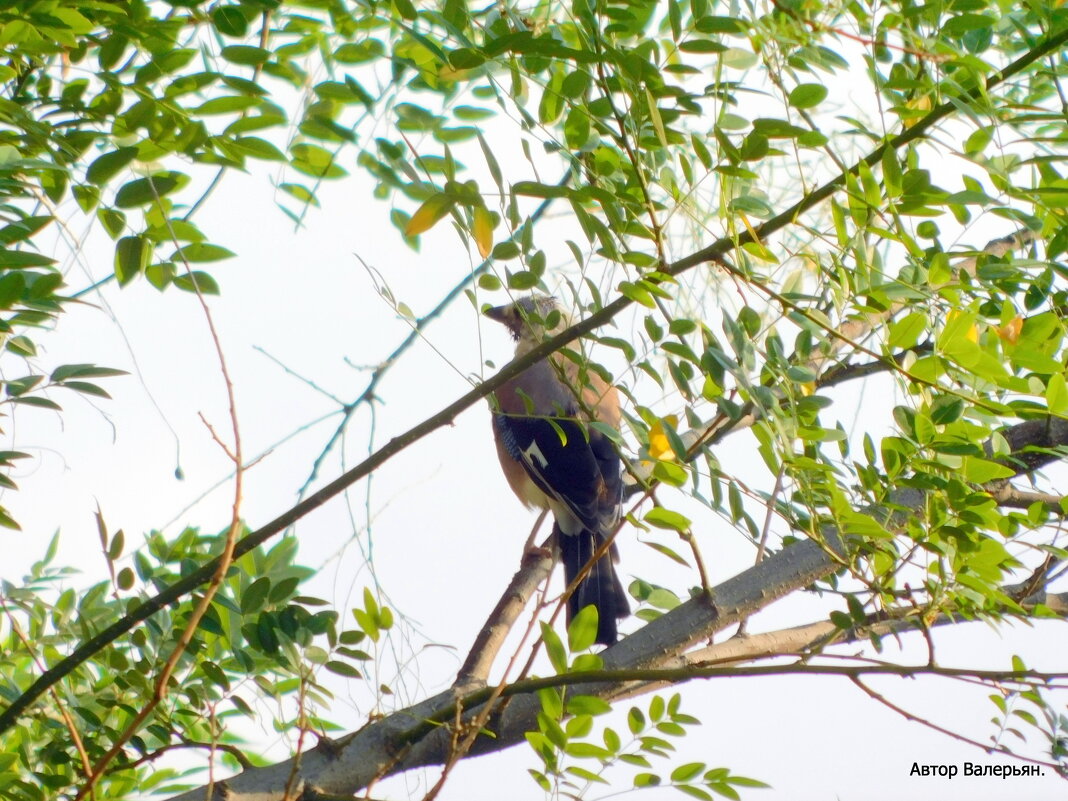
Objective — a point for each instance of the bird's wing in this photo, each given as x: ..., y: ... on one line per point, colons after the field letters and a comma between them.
x: 559, y: 460
x: 538, y: 423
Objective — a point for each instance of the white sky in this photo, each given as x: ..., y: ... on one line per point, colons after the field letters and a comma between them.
x: 447, y: 533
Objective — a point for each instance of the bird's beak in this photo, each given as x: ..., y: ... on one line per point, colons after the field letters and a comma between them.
x: 499, y: 314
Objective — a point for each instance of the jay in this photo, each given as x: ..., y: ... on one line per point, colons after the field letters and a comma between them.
x: 554, y: 460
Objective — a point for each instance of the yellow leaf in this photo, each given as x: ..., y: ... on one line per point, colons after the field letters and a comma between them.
x: 450, y: 73
x: 482, y: 229
x: 972, y: 334
x: 432, y: 210
x: 916, y: 107
x: 749, y: 228
x: 1010, y: 332
x: 659, y: 444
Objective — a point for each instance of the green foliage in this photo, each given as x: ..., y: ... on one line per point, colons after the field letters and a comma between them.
x: 662, y: 130
x: 259, y: 639
x: 574, y: 757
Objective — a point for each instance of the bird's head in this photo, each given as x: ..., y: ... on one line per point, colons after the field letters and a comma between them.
x: 531, y: 319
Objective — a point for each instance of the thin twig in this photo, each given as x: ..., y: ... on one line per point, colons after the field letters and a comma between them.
x: 990, y: 749
x: 383, y: 367
x: 232, y: 750
x: 222, y: 563
x: 298, y: 376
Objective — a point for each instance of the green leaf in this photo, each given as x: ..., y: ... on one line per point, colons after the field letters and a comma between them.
x: 701, y: 46
x: 86, y: 388
x: 67, y: 371
x: 491, y: 163
x: 956, y: 26
x: 552, y: 102
x: 117, y: 544
x: 228, y: 104
x: 662, y: 598
x: 657, y: 707
x: 978, y: 140
x: 522, y: 280
x: 125, y: 579
x: 315, y: 161
x: 258, y: 148
x: 343, y: 669
x: 146, y: 190
x: 255, y: 596
x: 739, y: 59
x: 54, y: 183
x: 638, y: 292
x: 579, y: 726
x: 1057, y: 395
x: 554, y: 648
x: 503, y: 251
x: 582, y: 631
x: 229, y: 21
x: 201, y: 252
x: 24, y: 229
x: 807, y: 95
x: 132, y: 254
x: 667, y: 519
x: 635, y: 720
x: 466, y: 58
x: 196, y: 281
x: 535, y: 189
x: 35, y: 400
x: 906, y: 332
x: 21, y: 345
x: 7, y: 521
x: 12, y: 285
x: 385, y: 618
x: 359, y: 52
x: 114, y: 222
x: 160, y: 274
x: 367, y: 623
x: 708, y: 23
x: 657, y: 120
x: 687, y: 772
x: 246, y: 55
x: 23, y: 258
x: 405, y: 9
x: 105, y: 167
x: 703, y: 795
x: 20, y: 386
x: 981, y: 471
x: 587, y: 705
x: 671, y: 554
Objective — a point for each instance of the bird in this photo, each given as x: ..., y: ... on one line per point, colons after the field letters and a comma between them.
x: 554, y: 459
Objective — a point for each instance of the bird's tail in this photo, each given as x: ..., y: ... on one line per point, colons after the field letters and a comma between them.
x: 600, y: 587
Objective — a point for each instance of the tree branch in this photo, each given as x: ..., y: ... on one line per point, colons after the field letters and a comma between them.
x: 535, y: 568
